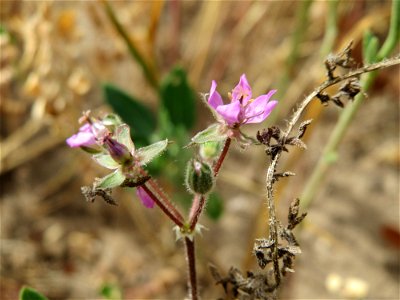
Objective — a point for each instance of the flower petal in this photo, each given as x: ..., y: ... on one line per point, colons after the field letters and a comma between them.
x: 84, y: 137
x: 242, y: 91
x: 258, y: 110
x: 144, y: 197
x: 230, y: 112
x: 215, y: 98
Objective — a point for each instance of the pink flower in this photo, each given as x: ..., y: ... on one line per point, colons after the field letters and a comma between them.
x: 243, y: 109
x: 144, y: 197
x: 88, y: 135
x: 84, y: 137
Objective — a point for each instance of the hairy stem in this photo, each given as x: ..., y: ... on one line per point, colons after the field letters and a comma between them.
x: 197, y: 208
x: 291, y: 123
x: 133, y: 49
x: 222, y: 156
x: 191, y: 263
x: 163, y: 207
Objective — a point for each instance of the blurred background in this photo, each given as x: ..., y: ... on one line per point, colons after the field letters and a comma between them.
x: 59, y: 58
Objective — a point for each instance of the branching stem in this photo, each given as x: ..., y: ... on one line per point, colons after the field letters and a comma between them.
x: 291, y: 123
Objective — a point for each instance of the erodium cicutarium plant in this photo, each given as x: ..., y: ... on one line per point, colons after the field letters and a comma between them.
x: 109, y: 142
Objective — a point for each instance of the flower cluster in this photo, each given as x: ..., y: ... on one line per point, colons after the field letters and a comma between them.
x: 110, y: 142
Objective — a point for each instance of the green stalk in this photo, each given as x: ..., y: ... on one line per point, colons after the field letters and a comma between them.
x: 329, y: 154
x: 133, y: 49
x: 331, y: 28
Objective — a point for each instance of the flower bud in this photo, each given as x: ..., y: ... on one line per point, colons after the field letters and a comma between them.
x: 118, y: 151
x: 210, y: 150
x: 199, y: 177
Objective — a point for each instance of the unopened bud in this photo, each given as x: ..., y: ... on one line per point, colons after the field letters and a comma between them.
x: 118, y: 151
x: 199, y: 177
x: 210, y: 150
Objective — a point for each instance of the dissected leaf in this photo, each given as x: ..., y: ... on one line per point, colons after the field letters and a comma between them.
x: 139, y: 118
x: 178, y: 98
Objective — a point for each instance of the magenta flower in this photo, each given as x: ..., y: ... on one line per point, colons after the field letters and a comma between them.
x: 88, y: 135
x: 84, y: 137
x: 144, y: 197
x: 243, y: 109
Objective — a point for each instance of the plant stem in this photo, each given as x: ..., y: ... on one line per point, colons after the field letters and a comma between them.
x: 273, y: 226
x: 291, y: 123
x: 222, y: 156
x: 164, y: 208
x: 329, y: 152
x: 191, y: 263
x: 197, y: 208
x: 393, y: 36
x: 133, y: 49
x: 331, y: 28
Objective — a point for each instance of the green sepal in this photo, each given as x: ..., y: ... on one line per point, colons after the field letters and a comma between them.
x: 106, y: 161
x: 210, y: 150
x: 91, y: 150
x: 111, y: 120
x: 27, y: 293
x: 211, y: 134
x: 148, y: 153
x: 110, y: 181
x: 123, y: 136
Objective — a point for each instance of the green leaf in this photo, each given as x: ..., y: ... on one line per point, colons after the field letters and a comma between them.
x: 106, y: 161
x: 215, y: 206
x: 111, y: 180
x: 111, y: 292
x: 139, y: 118
x: 27, y: 293
x: 178, y: 98
x: 211, y: 134
x: 148, y: 153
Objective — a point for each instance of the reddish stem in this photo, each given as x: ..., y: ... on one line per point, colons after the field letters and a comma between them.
x: 163, y: 200
x: 171, y: 214
x: 221, y: 158
x: 197, y: 207
x: 191, y: 262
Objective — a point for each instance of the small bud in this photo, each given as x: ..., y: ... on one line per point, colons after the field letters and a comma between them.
x: 118, y: 151
x: 210, y: 150
x: 199, y: 177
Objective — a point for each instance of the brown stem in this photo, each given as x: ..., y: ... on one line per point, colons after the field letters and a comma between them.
x: 222, y: 156
x: 191, y: 263
x: 196, y: 210
x: 292, y: 121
